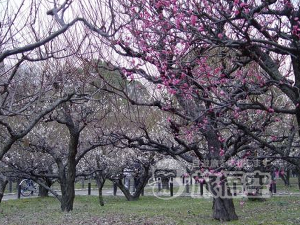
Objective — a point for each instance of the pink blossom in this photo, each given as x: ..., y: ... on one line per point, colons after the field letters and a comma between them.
x: 176, y: 81
x: 193, y: 20
x: 243, y: 4
x: 274, y: 138
x: 236, y: 115
x: 221, y: 140
x: 183, y: 75
x: 270, y: 110
x: 172, y: 91
x: 178, y: 22
x: 232, y: 162
x: 219, y: 174
x: 201, y: 29
x: 240, y: 163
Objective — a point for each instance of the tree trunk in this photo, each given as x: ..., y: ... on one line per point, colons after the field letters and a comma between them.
x: 286, y: 179
x: 68, y: 172
x: 100, y: 183
x: 126, y: 192
x: 68, y: 195
x: 143, y: 179
x: 67, y: 185
x: 223, y: 209
x: 288, y: 175
x: 3, y: 183
x: 101, y: 201
x: 43, y: 192
x: 18, y: 183
x: 298, y: 175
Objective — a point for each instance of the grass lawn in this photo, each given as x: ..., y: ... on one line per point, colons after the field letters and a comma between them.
x: 148, y: 210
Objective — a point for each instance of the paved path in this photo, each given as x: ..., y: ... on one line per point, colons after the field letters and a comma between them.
x: 109, y: 192
x: 105, y: 192
x: 148, y: 191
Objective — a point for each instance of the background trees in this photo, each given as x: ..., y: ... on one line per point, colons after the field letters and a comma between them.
x: 26, y: 39
x: 224, y: 75
x: 223, y: 65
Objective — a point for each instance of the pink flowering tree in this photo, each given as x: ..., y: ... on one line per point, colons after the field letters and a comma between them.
x: 220, y: 67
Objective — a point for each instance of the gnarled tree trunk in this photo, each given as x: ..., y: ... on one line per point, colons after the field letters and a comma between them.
x: 223, y: 209
x: 67, y: 184
x: 223, y: 206
x: 44, y: 192
x: 143, y: 179
x: 67, y: 194
x: 126, y: 192
x: 68, y: 172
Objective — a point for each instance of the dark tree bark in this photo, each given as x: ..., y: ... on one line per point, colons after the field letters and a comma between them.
x: 288, y: 175
x: 143, y: 179
x: 298, y: 175
x: 100, y: 179
x: 44, y: 192
x: 286, y: 179
x: 223, y: 209
x: 67, y: 173
x: 67, y: 185
x: 68, y: 195
x: 223, y: 206
x: 3, y: 183
x: 101, y: 201
x: 126, y: 192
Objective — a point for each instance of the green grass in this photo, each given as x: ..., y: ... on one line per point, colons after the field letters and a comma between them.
x: 293, y: 182
x: 148, y: 210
